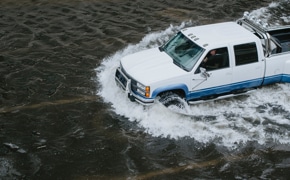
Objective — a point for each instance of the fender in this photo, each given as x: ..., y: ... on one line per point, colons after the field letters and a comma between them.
x: 170, y: 88
x: 286, y: 74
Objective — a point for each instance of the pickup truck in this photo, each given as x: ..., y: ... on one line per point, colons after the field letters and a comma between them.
x: 208, y: 61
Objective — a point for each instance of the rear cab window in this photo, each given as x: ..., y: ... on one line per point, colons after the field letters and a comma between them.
x: 246, y: 53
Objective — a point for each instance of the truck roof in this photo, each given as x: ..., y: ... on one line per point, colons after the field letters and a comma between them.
x: 212, y: 35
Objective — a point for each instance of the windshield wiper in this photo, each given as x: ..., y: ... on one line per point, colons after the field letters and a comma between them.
x: 179, y: 65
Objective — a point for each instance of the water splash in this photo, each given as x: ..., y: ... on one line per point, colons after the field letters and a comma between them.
x: 260, y: 116
x: 277, y: 13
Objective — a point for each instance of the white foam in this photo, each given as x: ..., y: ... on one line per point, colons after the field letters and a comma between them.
x: 226, y: 122
x: 265, y: 15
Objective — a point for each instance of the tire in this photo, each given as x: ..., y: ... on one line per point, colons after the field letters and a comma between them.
x: 172, y: 100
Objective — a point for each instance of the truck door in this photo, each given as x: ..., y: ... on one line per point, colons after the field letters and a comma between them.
x: 214, y: 77
x: 248, y: 70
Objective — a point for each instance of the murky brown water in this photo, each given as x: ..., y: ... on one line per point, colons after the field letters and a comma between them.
x: 54, y: 126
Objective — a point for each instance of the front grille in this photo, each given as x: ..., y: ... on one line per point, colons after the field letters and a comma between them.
x: 133, y: 85
x: 133, y: 81
x: 121, y: 79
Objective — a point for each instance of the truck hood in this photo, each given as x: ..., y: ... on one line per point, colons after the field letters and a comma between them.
x: 151, y: 66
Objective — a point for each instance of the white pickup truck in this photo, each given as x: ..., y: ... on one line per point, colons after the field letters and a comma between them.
x: 208, y: 61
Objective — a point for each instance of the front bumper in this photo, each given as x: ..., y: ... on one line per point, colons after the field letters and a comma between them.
x: 124, y: 82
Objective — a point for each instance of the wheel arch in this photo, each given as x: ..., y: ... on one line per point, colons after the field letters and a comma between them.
x: 180, y: 89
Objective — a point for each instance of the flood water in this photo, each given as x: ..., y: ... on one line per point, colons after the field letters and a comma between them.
x: 62, y: 116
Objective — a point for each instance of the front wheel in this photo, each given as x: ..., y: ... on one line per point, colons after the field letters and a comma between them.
x: 172, y: 101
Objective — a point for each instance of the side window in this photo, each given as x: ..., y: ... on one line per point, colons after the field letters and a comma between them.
x: 246, y: 53
x: 215, y: 59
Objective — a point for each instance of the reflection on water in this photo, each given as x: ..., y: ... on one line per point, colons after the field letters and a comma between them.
x: 62, y: 119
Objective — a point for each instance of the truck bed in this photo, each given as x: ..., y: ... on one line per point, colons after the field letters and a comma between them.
x: 282, y: 36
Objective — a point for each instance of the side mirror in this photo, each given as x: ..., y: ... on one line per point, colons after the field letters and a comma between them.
x: 203, y: 73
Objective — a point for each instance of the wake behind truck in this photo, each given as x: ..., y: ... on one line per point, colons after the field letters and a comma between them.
x: 208, y: 61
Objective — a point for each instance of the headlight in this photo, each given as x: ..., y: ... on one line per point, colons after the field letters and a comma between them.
x: 144, y: 90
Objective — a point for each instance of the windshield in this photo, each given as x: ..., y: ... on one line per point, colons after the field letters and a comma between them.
x: 184, y: 52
